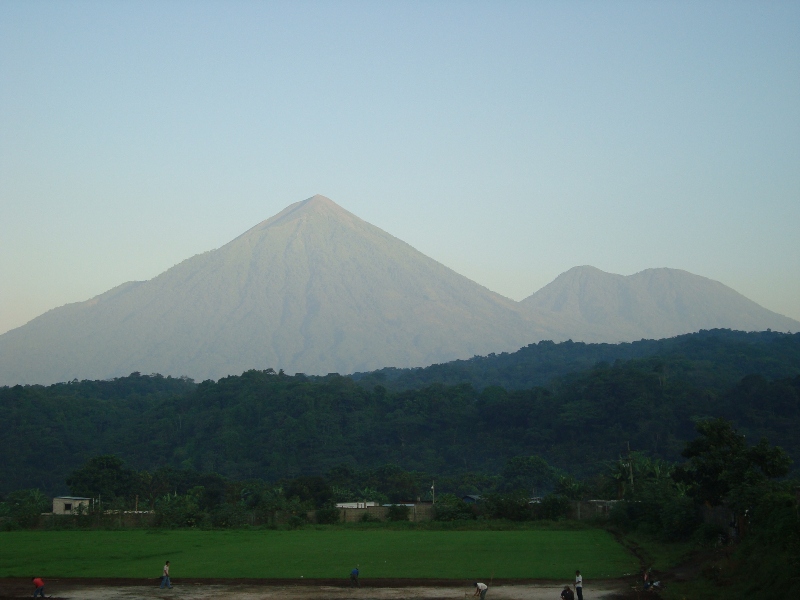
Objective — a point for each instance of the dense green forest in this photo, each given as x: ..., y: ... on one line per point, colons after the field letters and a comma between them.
x: 270, y: 426
x: 734, y: 354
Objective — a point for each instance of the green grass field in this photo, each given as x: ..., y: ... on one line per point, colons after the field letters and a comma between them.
x: 547, y: 554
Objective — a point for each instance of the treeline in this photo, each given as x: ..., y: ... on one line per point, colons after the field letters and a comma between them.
x: 272, y: 426
x: 718, y: 468
x: 734, y: 354
x: 189, y: 498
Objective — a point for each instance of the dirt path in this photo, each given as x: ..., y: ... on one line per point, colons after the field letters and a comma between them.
x: 88, y: 590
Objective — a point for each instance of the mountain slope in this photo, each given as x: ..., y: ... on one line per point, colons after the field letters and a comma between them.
x: 656, y: 303
x: 313, y: 289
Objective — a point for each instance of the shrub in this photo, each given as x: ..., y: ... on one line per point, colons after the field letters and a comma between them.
x: 22, y: 508
x: 659, y: 511
x: 553, y: 507
x: 679, y: 517
x: 398, y: 512
x: 228, y: 515
x: 179, y: 511
x: 328, y: 516
x: 623, y: 515
x: 513, y: 507
x: 452, y: 508
x: 295, y: 522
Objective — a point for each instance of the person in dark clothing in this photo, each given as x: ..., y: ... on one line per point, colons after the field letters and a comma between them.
x: 567, y: 594
x: 354, y: 578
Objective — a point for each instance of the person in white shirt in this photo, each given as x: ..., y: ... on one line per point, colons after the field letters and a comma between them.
x: 480, y: 588
x: 165, y: 582
x: 579, y: 585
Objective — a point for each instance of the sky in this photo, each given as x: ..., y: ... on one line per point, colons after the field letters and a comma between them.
x: 510, y: 141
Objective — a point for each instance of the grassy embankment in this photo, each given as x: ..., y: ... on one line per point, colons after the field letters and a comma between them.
x: 545, y: 554
x: 659, y: 555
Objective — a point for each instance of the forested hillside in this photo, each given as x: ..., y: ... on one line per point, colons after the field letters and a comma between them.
x: 271, y: 425
x: 734, y: 354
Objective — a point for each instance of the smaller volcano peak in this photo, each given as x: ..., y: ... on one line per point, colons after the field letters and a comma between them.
x: 584, y: 270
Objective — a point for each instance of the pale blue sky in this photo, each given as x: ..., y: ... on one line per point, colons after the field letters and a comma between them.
x: 508, y: 140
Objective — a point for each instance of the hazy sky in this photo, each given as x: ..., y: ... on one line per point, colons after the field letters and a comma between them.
x: 508, y: 140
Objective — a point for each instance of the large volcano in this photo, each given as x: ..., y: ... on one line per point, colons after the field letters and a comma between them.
x: 314, y: 289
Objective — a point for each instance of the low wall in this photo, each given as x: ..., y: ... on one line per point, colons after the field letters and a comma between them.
x: 125, y: 520
x: 581, y: 510
x: 420, y: 512
x: 131, y: 520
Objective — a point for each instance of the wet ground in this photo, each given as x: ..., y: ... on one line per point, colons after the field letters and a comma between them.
x: 89, y: 589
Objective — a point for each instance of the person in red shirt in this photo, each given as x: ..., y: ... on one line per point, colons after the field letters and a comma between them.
x: 39, y: 583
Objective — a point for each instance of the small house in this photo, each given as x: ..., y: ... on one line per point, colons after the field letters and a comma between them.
x: 69, y: 505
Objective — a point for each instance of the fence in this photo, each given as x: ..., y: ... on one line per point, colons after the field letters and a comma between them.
x: 417, y: 512
x: 582, y: 510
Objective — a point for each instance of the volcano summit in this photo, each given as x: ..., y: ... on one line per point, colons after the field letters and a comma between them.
x: 313, y: 289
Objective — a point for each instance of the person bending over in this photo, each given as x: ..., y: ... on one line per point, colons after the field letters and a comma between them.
x: 480, y: 590
x: 38, y: 582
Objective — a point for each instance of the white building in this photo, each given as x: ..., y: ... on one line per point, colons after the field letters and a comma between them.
x: 68, y: 505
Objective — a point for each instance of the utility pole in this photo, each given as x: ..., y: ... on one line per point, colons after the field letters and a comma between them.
x: 630, y: 465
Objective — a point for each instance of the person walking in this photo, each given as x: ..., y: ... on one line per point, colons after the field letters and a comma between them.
x: 38, y: 582
x: 579, y: 585
x: 354, y: 578
x: 480, y: 589
x: 165, y: 582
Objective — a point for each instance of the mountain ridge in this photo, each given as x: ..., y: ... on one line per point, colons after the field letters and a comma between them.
x: 653, y: 303
x: 316, y: 289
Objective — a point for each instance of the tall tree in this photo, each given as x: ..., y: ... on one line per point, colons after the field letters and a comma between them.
x: 104, y: 476
x: 722, y: 467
